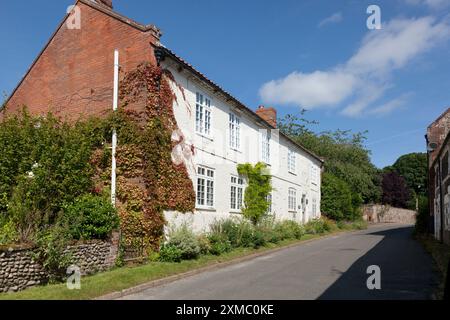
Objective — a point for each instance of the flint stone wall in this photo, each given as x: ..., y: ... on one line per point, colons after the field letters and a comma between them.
x: 18, y: 269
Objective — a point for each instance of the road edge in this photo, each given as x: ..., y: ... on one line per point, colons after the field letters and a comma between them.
x: 213, y: 266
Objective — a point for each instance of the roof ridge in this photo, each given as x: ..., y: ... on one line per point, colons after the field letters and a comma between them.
x: 96, y: 6
x: 232, y: 98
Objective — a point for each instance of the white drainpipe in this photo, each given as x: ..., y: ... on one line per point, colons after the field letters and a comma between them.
x: 114, y: 136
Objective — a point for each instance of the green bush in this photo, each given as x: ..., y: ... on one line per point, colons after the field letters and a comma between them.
x: 51, y: 251
x: 90, y: 217
x: 8, y: 233
x: 44, y: 163
x: 265, y: 228
x: 337, y: 198
x: 423, y: 215
x: 329, y: 225
x: 186, y: 241
x: 316, y: 226
x: 204, y: 244
x: 342, y: 225
x: 219, y: 243
x: 170, y: 253
x: 289, y: 230
x: 259, y: 238
x: 359, y: 225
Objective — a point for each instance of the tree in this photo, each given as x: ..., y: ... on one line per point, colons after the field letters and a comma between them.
x: 344, y: 152
x: 395, y: 190
x: 413, y: 168
x: 337, y: 199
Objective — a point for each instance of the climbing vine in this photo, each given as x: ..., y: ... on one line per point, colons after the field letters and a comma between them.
x: 149, y: 181
x: 259, y: 186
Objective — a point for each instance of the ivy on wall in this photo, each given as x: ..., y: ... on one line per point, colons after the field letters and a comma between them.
x: 47, y: 163
x: 149, y: 181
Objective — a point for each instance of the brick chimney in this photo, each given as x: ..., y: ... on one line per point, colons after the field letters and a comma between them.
x: 268, y: 114
x: 107, y: 3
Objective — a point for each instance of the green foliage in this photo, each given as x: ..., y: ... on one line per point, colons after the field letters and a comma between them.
x: 45, y: 162
x: 343, y: 151
x: 90, y: 217
x: 204, y: 244
x: 170, y: 253
x: 238, y: 232
x: 289, y: 230
x: 51, y: 250
x: 336, y: 202
x: 423, y: 215
x: 186, y: 241
x: 258, y: 188
x: 219, y: 243
x: 413, y: 168
x: 8, y: 233
x: 359, y: 225
x: 316, y: 226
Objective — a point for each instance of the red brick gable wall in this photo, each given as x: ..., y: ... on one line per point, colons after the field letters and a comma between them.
x: 74, y: 75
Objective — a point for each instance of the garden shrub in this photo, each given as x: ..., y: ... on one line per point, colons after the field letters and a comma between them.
x: 239, y: 232
x: 336, y: 202
x: 329, y: 225
x: 169, y: 253
x: 289, y: 230
x: 267, y: 228
x: 219, y: 243
x: 8, y: 233
x: 186, y: 241
x: 259, y: 238
x: 51, y: 250
x: 423, y: 215
x: 204, y: 244
x: 359, y: 225
x: 316, y: 226
x: 91, y: 217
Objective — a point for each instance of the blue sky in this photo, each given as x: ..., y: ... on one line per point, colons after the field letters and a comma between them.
x: 315, y: 54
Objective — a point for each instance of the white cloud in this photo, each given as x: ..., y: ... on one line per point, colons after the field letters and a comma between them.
x: 434, y: 4
x: 309, y: 90
x: 334, y: 18
x: 397, y: 44
x: 390, y: 106
x: 364, y: 78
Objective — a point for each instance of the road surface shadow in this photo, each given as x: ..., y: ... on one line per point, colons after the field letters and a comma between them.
x: 406, y: 271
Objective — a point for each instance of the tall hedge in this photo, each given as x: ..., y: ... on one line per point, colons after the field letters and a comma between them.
x: 337, y: 198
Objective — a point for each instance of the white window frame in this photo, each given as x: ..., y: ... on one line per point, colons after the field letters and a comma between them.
x: 270, y: 201
x: 292, y: 200
x: 314, y: 175
x: 203, y: 114
x: 234, y: 127
x: 314, y: 207
x: 205, y: 179
x: 292, y: 161
x: 265, y: 145
x: 237, y: 188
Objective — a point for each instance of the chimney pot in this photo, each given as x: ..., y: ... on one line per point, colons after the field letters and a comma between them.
x: 268, y: 114
x: 107, y: 3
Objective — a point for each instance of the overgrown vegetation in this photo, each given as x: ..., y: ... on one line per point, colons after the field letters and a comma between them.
x: 228, y: 234
x: 55, y: 175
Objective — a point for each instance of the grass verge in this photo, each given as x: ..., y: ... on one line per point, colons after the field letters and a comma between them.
x: 441, y: 256
x: 126, y: 277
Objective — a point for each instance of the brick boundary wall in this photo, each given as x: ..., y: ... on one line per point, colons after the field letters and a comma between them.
x: 387, y: 214
x: 19, y: 271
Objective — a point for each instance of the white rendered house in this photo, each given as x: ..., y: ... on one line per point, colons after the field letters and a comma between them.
x: 225, y: 133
